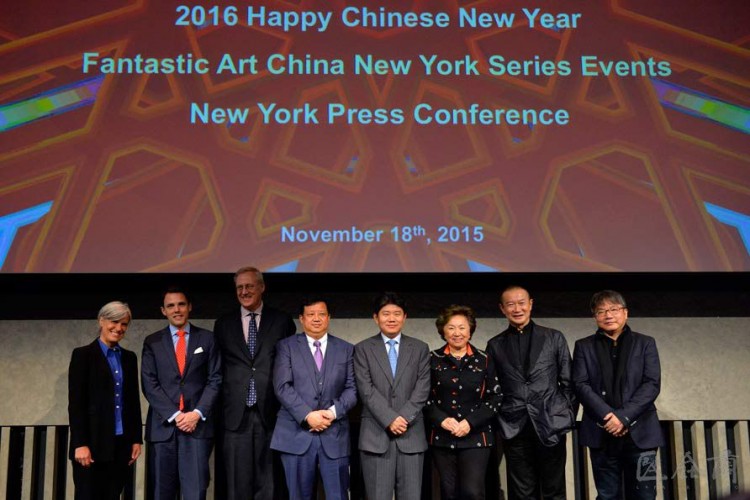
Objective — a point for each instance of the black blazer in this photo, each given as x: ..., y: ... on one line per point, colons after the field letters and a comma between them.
x: 91, y: 401
x: 640, y: 388
x: 544, y: 395
x: 238, y: 367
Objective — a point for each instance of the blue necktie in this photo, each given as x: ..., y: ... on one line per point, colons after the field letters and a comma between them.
x: 392, y: 356
x: 252, y: 340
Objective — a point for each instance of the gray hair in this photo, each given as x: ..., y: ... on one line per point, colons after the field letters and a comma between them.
x: 607, y: 296
x: 115, y: 311
x: 249, y: 269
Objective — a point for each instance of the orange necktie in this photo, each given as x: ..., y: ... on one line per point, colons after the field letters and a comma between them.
x: 181, y: 352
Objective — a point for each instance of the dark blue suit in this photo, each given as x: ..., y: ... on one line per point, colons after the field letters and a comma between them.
x: 301, y: 388
x: 178, y: 459
x: 639, y: 384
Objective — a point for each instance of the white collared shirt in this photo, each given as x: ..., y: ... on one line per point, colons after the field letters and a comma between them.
x: 173, y: 330
x: 386, y: 339
x: 323, y: 344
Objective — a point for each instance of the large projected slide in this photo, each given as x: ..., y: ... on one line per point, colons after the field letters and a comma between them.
x: 332, y: 136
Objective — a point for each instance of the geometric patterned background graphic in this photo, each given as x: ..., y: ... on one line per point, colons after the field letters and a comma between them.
x: 105, y: 172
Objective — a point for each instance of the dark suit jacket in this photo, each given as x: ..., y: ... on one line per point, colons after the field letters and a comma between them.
x: 295, y: 380
x: 238, y: 367
x: 91, y: 401
x: 544, y: 395
x: 162, y: 383
x: 641, y: 386
x: 384, y: 397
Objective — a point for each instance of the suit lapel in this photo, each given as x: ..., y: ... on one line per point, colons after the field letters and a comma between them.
x: 303, y: 350
x: 266, y: 324
x: 381, y: 357
x: 404, y: 357
x: 537, y: 343
x: 509, y: 347
x: 101, y: 363
x: 238, y: 338
x: 193, y: 342
x: 169, y: 350
x: 329, y: 359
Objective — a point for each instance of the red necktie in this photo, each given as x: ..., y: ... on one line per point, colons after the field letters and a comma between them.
x: 181, y: 352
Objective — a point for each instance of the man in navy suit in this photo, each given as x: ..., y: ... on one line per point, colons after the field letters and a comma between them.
x: 313, y: 378
x: 180, y: 377
x: 617, y: 378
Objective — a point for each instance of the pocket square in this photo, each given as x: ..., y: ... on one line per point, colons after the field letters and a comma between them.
x: 198, y: 351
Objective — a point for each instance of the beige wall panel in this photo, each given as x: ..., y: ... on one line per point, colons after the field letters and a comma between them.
x: 4, y: 457
x: 742, y: 443
x: 698, y: 439
x: 28, y: 459
x: 49, y: 463
x: 698, y: 356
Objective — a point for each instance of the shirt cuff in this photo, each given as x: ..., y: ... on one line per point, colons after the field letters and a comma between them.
x: 174, y: 416
x: 333, y: 410
x: 624, y: 420
x: 200, y: 413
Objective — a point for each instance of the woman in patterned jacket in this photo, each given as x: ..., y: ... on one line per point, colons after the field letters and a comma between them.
x: 461, y: 409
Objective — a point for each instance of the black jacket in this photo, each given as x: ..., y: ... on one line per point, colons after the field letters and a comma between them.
x: 91, y: 401
x: 238, y: 367
x: 544, y: 395
x: 640, y: 387
x: 462, y: 389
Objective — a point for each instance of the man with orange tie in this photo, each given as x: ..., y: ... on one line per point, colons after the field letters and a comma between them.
x: 180, y: 377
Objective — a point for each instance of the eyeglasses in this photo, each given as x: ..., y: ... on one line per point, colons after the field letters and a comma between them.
x: 600, y: 313
x: 250, y: 287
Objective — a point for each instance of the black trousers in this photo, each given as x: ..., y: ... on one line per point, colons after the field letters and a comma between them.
x: 534, y: 469
x: 624, y: 464
x: 252, y: 470
x: 103, y: 480
x: 462, y: 472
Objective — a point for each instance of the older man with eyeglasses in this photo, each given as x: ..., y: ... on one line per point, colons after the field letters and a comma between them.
x: 247, y: 337
x: 617, y: 377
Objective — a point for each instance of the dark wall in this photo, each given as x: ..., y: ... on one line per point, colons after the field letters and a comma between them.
x: 79, y: 296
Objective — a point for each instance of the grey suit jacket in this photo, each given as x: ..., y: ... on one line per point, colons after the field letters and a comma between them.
x: 384, y: 397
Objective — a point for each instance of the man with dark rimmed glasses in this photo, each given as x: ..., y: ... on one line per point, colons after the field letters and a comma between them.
x: 617, y: 377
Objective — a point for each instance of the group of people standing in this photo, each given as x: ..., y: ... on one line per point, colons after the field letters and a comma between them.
x: 277, y: 394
